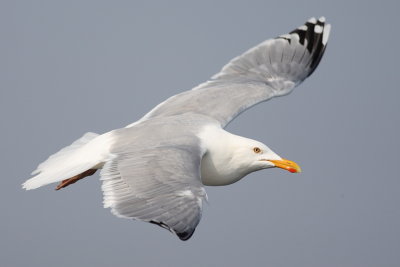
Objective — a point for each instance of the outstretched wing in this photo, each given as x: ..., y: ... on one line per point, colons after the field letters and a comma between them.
x: 273, y: 68
x: 155, y: 178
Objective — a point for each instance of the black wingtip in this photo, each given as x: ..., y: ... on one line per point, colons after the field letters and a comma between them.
x: 182, y: 235
x: 314, y: 33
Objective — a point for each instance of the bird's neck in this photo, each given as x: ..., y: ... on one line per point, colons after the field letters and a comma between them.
x: 220, y: 164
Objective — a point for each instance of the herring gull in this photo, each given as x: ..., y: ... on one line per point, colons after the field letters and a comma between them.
x: 154, y: 170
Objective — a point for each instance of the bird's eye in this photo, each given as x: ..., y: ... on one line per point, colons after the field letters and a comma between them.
x: 256, y: 150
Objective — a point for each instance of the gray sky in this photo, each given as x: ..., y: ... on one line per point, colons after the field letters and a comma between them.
x: 75, y: 66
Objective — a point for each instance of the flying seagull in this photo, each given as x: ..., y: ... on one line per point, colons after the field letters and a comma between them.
x: 154, y: 170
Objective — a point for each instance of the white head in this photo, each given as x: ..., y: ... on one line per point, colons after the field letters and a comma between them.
x: 230, y: 157
x: 254, y: 156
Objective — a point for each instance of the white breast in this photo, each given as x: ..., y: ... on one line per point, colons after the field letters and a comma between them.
x: 214, y: 172
x: 221, y: 165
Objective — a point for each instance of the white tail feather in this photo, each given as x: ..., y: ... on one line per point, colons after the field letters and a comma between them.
x: 89, y: 151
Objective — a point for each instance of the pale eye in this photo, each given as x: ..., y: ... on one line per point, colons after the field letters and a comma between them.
x: 257, y: 150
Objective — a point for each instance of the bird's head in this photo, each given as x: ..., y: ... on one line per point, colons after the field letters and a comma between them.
x: 260, y: 156
x: 230, y: 157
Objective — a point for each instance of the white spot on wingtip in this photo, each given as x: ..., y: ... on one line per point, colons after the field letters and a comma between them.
x: 322, y: 19
x: 312, y: 20
x: 325, y: 36
x: 302, y: 27
x: 318, y: 29
x: 295, y: 36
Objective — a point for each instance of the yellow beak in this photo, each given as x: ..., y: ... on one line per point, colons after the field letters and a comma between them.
x: 287, y: 165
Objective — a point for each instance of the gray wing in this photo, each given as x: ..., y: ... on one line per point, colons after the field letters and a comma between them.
x: 154, y: 176
x: 273, y: 68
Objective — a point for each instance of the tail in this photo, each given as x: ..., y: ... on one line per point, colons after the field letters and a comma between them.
x: 90, y: 151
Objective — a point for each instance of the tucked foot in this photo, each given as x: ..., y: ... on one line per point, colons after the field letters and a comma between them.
x: 76, y: 178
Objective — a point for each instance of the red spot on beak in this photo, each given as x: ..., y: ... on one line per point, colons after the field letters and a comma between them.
x: 286, y: 165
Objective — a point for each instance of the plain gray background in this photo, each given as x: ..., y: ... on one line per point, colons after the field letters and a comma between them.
x: 68, y: 67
